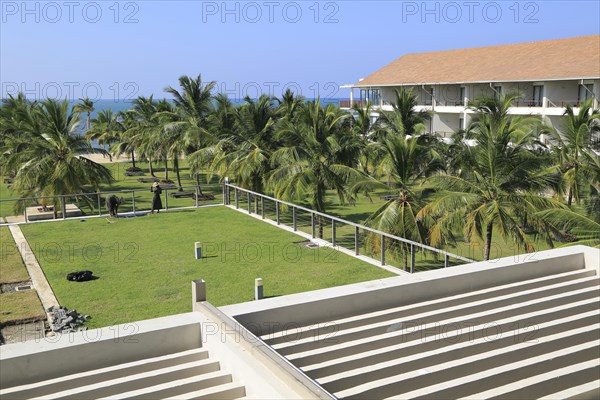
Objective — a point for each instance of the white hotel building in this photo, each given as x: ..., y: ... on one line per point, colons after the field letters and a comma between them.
x: 547, y: 74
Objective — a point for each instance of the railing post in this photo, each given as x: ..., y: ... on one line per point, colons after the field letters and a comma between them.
x: 412, y: 258
x: 294, y: 223
x: 312, y: 225
x: 133, y: 201
x: 356, y: 249
x: 166, y: 200
x: 249, y: 202
x: 197, y: 189
x: 262, y: 207
x: 278, y: 212
x: 237, y: 200
x: 25, y: 211
x: 333, y: 232
x: 63, y: 205
x: 446, y: 261
x: 382, y: 250
x: 99, y: 206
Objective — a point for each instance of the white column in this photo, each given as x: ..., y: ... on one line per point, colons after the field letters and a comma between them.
x: 351, y: 96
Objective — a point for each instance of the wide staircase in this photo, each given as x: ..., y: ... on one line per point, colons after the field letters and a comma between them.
x: 190, y: 374
x: 538, y: 338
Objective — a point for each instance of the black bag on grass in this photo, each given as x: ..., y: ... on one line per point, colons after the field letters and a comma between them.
x: 80, y: 276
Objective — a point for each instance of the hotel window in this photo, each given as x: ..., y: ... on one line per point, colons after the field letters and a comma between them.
x: 427, y: 96
x: 363, y: 95
x: 538, y: 96
x: 375, y: 96
x: 462, y: 96
x: 585, y: 92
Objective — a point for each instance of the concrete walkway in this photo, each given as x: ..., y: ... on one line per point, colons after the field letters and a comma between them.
x: 40, y: 283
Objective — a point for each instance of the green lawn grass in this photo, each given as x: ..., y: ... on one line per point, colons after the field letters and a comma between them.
x: 20, y: 307
x: 145, y: 264
x: 12, y: 268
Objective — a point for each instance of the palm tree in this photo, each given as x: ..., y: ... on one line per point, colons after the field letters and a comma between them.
x: 244, y: 154
x: 364, y: 132
x: 189, y: 128
x: 498, y: 190
x: 127, y: 141
x: 584, y: 227
x: 86, y: 106
x: 289, y: 104
x: 408, y: 160
x: 107, y: 128
x: 573, y: 150
x: 309, y: 164
x: 50, y: 157
x: 221, y: 124
x: 403, y: 118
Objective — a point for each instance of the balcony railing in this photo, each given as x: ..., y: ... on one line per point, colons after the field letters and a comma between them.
x: 564, y: 103
x: 527, y: 103
x: 346, y: 103
x: 460, y: 103
x: 449, y: 103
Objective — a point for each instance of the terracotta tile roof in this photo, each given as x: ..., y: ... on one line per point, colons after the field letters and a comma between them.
x: 572, y: 58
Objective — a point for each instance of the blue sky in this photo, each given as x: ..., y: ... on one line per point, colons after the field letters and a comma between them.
x: 110, y: 49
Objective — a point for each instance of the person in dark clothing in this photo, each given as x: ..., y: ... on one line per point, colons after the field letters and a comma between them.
x: 156, y: 201
x: 113, y: 202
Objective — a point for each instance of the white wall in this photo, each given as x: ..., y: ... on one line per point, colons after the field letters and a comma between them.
x: 443, y: 122
x: 557, y: 91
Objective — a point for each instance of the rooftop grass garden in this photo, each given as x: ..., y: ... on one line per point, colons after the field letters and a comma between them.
x: 145, y: 264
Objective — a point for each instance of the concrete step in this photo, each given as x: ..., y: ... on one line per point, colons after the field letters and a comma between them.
x: 74, y: 381
x: 179, y: 388
x: 487, y: 354
x: 434, y: 349
x: 495, y: 307
x: 227, y: 391
x: 325, y: 328
x: 130, y: 382
x: 487, y: 322
x: 454, y: 380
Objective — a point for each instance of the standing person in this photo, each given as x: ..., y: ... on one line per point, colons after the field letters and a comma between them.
x: 156, y: 201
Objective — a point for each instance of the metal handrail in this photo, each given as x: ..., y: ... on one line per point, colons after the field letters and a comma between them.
x: 97, y: 193
x: 360, y: 226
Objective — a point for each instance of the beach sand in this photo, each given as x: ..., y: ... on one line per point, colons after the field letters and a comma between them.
x: 100, y: 159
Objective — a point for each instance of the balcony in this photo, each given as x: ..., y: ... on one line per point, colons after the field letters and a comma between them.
x: 347, y: 103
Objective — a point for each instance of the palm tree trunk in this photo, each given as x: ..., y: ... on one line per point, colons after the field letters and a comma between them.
x: 570, y: 197
x: 488, y: 241
x: 150, y: 167
x: 176, y: 168
x: 198, y: 183
x: 133, y: 158
x: 166, y: 170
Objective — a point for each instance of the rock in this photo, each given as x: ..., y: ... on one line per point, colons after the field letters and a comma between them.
x: 65, y: 321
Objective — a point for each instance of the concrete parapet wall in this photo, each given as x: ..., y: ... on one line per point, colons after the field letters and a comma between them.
x: 34, y: 361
